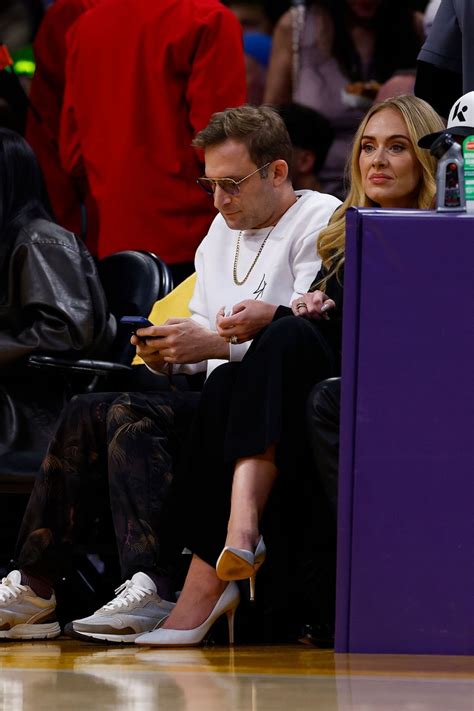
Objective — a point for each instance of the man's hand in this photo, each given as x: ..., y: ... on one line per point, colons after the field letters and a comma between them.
x: 248, y: 318
x: 179, y: 340
x: 314, y: 305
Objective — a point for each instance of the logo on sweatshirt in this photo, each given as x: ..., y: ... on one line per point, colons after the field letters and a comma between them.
x: 260, y: 288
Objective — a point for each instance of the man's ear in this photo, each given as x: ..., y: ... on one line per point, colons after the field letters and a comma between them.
x: 304, y: 161
x: 280, y: 171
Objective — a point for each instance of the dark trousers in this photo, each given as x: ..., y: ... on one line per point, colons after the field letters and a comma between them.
x: 324, y: 407
x: 111, y: 450
x: 244, y: 408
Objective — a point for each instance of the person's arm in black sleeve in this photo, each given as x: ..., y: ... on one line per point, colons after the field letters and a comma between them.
x: 439, y: 66
x: 55, y: 309
x: 439, y: 87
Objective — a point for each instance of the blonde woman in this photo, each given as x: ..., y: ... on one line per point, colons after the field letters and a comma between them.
x: 249, y: 437
x: 413, y: 166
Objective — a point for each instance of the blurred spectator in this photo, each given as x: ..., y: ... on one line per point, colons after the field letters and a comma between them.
x: 275, y: 9
x: 311, y: 136
x: 251, y: 14
x: 430, y: 13
x: 141, y: 79
x: 403, y: 82
x: 18, y: 23
x: 334, y: 57
x: 72, y: 202
x: 19, y: 20
x: 13, y: 103
x: 35, y: 9
x: 51, y: 302
x: 257, y: 48
x: 445, y: 68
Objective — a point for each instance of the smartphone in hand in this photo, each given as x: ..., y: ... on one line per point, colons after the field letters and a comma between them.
x: 134, y: 322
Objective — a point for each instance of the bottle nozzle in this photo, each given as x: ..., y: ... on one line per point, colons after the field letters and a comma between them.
x: 442, y: 144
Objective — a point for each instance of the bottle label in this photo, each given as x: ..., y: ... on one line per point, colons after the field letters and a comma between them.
x: 468, y: 155
x: 452, y: 195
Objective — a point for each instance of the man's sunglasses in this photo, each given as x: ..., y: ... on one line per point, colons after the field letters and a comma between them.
x: 228, y: 185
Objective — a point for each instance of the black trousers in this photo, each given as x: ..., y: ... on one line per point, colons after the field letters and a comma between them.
x: 244, y: 408
x: 112, y: 451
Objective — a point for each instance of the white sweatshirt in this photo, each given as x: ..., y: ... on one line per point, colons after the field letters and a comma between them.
x: 285, y: 268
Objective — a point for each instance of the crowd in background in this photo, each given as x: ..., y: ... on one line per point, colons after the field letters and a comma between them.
x: 113, y: 119
x: 264, y: 23
x: 335, y: 58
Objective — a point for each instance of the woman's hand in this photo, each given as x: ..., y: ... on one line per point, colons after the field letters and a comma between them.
x: 248, y: 318
x: 314, y: 305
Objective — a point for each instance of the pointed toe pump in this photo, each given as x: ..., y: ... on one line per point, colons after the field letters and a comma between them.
x: 239, y: 564
x: 226, y: 605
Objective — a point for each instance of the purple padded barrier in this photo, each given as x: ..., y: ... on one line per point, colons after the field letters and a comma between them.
x: 406, y: 494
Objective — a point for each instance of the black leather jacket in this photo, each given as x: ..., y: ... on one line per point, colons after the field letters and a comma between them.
x: 52, y: 301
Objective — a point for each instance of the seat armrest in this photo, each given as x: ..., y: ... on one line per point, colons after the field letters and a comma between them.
x: 82, y: 365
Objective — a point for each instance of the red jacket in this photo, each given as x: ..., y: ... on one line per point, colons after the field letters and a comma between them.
x: 42, y: 130
x: 142, y: 78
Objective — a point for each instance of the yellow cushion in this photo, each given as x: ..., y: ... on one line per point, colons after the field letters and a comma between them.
x: 174, y: 305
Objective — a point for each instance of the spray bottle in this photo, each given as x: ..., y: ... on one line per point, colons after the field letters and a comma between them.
x: 450, y: 195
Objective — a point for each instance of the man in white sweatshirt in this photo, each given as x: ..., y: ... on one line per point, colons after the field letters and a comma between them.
x: 260, y: 252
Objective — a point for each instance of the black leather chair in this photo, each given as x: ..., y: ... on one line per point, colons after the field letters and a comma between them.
x: 132, y: 282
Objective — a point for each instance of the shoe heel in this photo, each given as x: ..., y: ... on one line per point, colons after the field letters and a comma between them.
x: 252, y: 587
x: 230, y: 623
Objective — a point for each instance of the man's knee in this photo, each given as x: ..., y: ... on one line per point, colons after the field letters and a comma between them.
x: 133, y: 416
x: 85, y: 411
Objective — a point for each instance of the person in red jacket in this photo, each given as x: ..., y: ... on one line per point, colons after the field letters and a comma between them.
x: 141, y: 79
x: 71, y: 200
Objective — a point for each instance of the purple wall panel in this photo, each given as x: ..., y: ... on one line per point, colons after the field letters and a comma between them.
x: 348, y: 402
x: 406, y: 517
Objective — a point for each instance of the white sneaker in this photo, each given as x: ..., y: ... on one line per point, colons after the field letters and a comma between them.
x: 23, y: 614
x: 137, y: 609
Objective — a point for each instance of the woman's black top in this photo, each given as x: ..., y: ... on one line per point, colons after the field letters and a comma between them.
x: 331, y: 329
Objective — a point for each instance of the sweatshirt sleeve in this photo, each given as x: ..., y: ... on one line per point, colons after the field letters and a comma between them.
x: 304, y: 257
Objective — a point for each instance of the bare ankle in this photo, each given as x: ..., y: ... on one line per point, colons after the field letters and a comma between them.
x: 245, y: 539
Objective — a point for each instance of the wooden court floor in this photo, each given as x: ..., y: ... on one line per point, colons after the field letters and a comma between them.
x: 70, y: 675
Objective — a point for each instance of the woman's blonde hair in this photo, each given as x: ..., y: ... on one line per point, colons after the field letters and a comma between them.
x: 420, y: 119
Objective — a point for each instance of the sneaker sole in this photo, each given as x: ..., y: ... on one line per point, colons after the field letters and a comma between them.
x: 45, y: 631
x: 69, y: 631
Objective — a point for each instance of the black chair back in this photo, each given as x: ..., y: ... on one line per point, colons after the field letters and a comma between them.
x: 132, y: 281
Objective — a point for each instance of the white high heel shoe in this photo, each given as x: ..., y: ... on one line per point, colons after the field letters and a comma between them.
x: 239, y: 564
x: 226, y: 604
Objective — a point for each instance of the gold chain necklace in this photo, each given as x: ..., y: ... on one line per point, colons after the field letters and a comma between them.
x: 238, y: 281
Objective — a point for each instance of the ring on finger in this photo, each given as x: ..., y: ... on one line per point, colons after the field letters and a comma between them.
x: 234, y: 340
x: 301, y: 305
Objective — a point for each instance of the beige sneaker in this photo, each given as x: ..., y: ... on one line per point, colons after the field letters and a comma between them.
x: 137, y: 609
x: 23, y: 614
